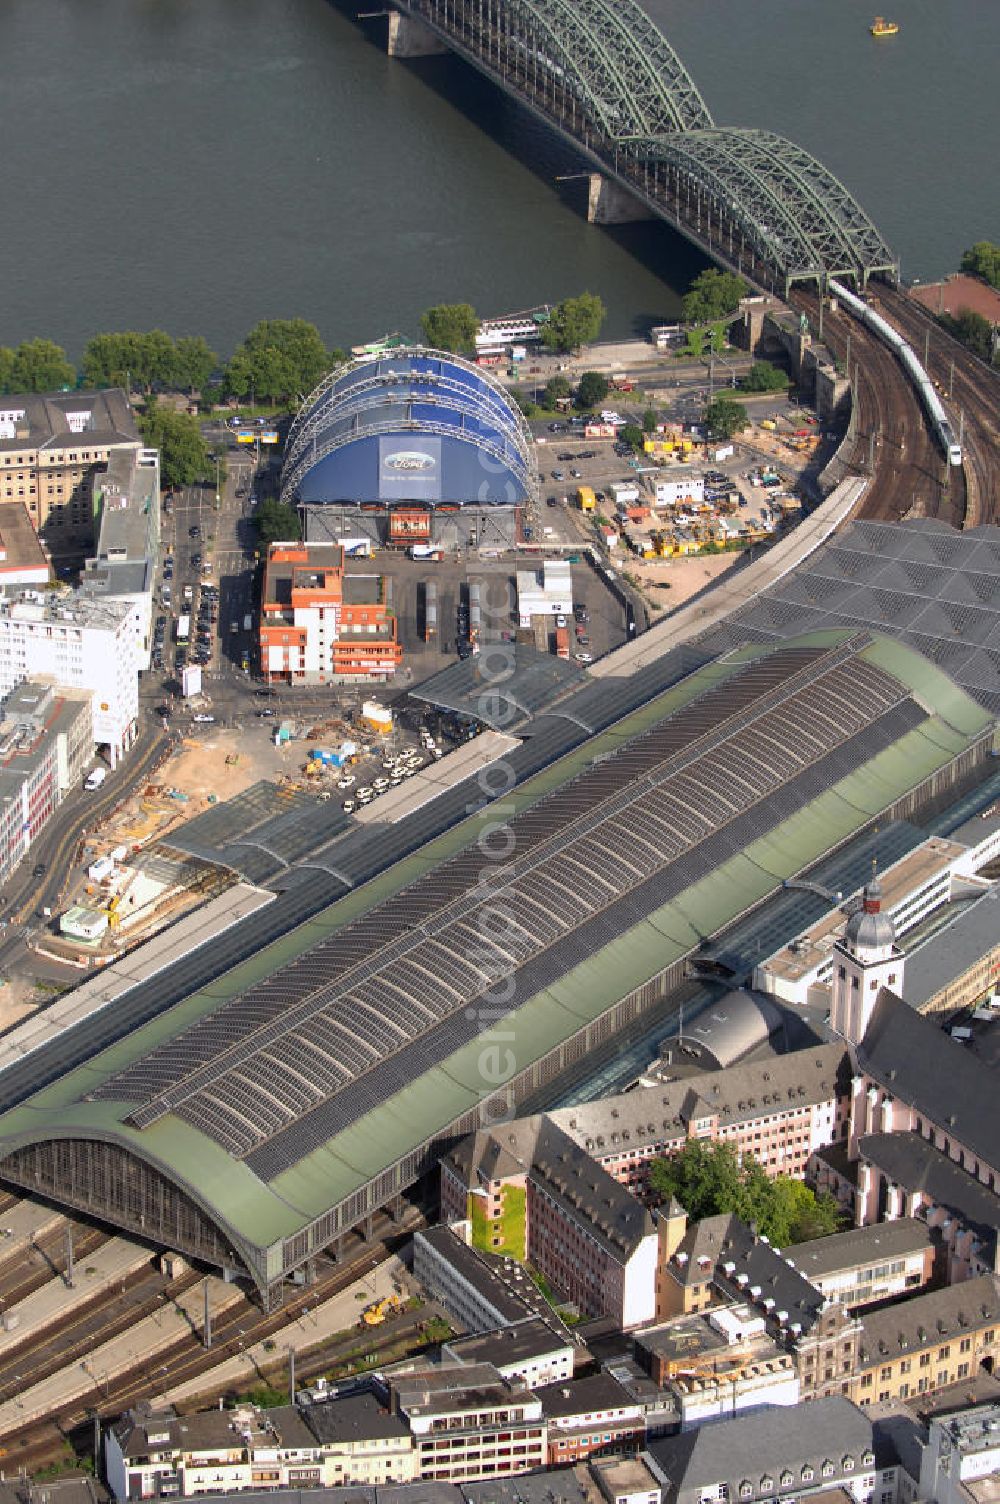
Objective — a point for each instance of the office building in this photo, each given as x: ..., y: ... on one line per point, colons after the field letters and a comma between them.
x: 46, y: 742
x: 321, y: 625
x: 81, y: 644
x: 52, y: 448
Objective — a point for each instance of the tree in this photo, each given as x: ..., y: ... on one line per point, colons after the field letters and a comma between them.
x: 40, y: 366
x: 708, y: 1179
x: 650, y: 420
x: 972, y: 329
x: 450, y: 326
x: 591, y: 389
x: 528, y: 407
x: 631, y: 435
x: 131, y: 358
x: 194, y: 363
x: 764, y: 377
x: 712, y: 295
x: 695, y: 342
x: 277, y: 522
x: 555, y: 388
x: 6, y: 369
x: 983, y: 260
x: 281, y: 360
x: 574, y: 322
x: 725, y: 417
x: 184, y: 456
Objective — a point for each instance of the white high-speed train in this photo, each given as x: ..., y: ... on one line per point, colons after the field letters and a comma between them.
x: 939, y: 420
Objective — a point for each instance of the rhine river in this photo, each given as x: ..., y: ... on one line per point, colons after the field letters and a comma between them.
x: 199, y: 164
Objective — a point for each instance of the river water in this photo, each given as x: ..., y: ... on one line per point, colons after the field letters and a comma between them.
x: 199, y: 164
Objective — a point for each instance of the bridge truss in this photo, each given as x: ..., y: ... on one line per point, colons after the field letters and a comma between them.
x: 604, y: 75
x: 759, y: 202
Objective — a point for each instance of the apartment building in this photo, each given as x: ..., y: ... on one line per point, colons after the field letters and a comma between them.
x: 123, y: 567
x: 590, y: 1417
x: 46, y: 741
x: 361, y: 1441
x: 468, y: 1423
x: 80, y: 643
x: 867, y: 1264
x: 321, y: 625
x: 780, y: 1110
x: 778, y: 1454
x: 582, y: 1229
x: 717, y: 1364
x: 355, y: 1439
x: 918, y: 1346
x: 52, y: 448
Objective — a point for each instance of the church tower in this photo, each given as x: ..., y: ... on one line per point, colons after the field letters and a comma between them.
x: 864, y: 961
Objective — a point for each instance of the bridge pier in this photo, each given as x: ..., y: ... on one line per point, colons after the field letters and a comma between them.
x: 409, y: 37
x: 608, y: 203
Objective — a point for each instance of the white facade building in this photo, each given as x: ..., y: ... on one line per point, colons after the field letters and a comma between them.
x: 548, y: 593
x: 81, y: 643
x: 670, y: 493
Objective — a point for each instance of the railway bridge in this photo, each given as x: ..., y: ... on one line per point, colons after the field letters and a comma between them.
x: 605, y: 77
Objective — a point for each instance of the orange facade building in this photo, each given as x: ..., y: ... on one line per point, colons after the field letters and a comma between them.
x: 318, y: 624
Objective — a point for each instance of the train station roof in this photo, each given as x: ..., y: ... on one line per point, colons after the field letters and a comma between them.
x: 292, y: 1088
x: 924, y: 582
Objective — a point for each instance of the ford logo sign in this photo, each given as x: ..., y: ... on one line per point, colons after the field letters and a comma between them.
x: 409, y: 460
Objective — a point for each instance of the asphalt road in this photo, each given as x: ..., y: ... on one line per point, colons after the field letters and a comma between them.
x: 25, y: 894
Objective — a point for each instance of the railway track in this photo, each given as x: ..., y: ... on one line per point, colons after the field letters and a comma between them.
x: 893, y: 442
x: 47, y: 1255
x: 974, y: 392
x: 105, y: 1315
x: 241, y: 1325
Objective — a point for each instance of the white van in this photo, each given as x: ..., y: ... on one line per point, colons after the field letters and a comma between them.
x: 94, y: 779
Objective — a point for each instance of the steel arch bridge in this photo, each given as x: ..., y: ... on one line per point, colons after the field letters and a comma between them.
x: 605, y: 76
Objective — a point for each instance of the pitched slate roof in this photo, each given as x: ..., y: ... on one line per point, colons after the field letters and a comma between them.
x: 902, y: 1051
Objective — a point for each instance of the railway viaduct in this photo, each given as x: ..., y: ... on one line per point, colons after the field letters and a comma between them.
x: 604, y: 77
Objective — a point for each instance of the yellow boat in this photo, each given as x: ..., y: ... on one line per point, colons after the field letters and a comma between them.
x: 883, y: 28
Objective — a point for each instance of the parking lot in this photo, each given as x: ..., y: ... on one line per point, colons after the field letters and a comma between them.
x: 408, y: 578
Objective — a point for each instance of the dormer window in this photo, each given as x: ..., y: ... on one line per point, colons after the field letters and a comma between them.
x: 746, y: 1490
x: 766, y: 1483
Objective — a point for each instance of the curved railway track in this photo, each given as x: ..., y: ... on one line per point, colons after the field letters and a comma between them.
x: 893, y: 442
x: 975, y: 393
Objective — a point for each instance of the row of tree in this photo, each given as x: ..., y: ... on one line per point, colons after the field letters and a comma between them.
x: 708, y: 1179
x: 279, y: 362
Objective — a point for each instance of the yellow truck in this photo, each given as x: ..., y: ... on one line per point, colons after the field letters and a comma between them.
x: 585, y: 498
